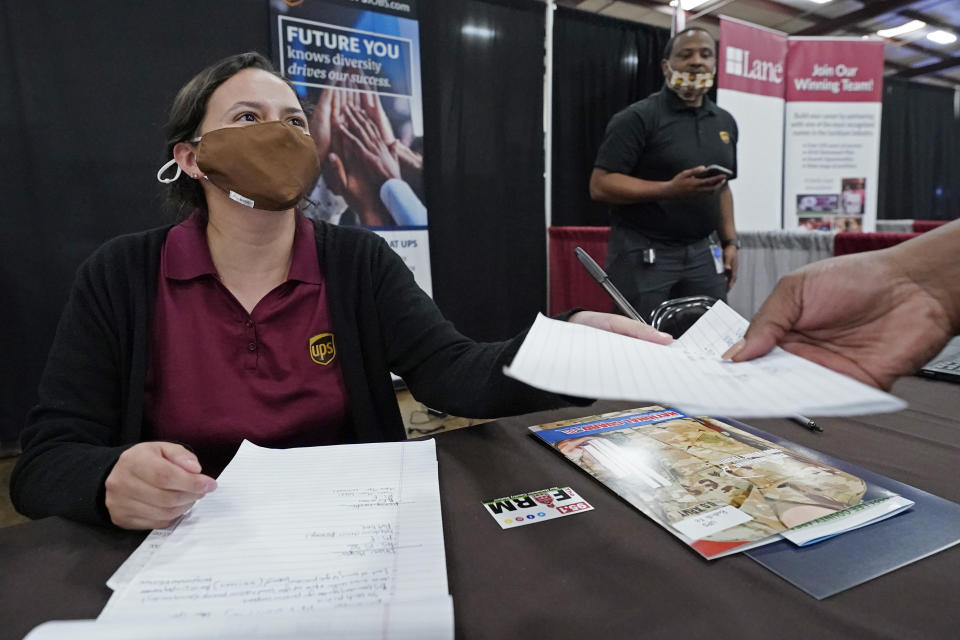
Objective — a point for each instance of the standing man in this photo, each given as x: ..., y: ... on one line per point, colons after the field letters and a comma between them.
x: 665, y: 204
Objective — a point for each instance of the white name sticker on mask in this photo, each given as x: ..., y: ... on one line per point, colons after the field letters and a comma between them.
x: 241, y: 199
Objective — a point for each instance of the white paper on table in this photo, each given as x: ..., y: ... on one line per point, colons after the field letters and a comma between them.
x: 689, y: 375
x: 401, y: 620
x: 298, y: 530
x: 139, y: 558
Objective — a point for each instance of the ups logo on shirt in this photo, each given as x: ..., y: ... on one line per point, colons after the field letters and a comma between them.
x: 725, y: 137
x: 322, y: 348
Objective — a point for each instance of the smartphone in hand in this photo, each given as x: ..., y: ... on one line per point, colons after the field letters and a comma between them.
x: 714, y: 170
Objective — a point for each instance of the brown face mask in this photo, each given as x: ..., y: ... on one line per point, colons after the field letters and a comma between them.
x: 264, y: 166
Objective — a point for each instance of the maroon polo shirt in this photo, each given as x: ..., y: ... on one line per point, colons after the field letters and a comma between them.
x: 219, y: 375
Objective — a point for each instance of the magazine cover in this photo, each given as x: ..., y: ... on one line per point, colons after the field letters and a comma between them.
x: 716, y: 487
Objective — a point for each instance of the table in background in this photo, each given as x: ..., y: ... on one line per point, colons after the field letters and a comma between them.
x: 764, y: 258
x: 607, y: 573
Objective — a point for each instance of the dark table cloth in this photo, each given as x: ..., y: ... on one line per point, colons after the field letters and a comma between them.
x: 607, y: 573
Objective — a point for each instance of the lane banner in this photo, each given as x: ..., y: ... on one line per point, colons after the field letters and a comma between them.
x: 832, y: 133
x: 355, y: 65
x: 751, y: 82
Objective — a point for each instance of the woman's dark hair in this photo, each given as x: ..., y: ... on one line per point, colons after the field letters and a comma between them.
x: 186, y: 114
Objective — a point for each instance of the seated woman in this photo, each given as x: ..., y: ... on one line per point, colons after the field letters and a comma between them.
x: 246, y: 320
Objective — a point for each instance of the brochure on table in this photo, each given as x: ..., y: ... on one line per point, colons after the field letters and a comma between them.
x: 717, y: 487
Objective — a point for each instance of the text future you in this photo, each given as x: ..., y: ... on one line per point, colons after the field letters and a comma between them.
x: 341, y: 42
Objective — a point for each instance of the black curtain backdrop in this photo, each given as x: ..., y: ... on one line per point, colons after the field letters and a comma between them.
x: 483, y: 66
x: 85, y: 87
x: 600, y: 65
x: 919, y: 152
x: 85, y: 90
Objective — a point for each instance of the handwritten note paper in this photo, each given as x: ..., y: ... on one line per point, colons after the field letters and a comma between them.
x: 299, y: 530
x: 582, y: 361
x: 398, y: 620
x: 711, y: 336
x: 139, y: 558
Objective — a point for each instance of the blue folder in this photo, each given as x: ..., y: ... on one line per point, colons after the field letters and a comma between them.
x: 844, y: 561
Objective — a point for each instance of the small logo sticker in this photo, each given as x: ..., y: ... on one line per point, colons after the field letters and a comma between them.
x: 525, y: 508
x: 322, y: 348
x: 725, y: 137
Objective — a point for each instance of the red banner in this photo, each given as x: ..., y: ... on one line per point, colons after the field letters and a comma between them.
x: 841, y: 70
x: 752, y: 59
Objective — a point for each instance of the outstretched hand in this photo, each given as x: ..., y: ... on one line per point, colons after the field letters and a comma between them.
x: 359, y: 163
x: 320, y: 124
x: 861, y: 315
x: 365, y: 148
x: 620, y: 324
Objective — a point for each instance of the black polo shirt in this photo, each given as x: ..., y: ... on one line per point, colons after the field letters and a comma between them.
x: 657, y: 138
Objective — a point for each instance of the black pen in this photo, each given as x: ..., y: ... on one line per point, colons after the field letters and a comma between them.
x: 604, y: 280
x: 804, y: 421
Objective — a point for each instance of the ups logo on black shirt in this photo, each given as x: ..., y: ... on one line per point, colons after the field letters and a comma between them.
x: 322, y: 348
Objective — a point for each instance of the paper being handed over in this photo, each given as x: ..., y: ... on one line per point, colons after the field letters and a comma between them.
x: 689, y: 374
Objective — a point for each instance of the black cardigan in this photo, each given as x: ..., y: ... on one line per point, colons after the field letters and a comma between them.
x: 91, y: 393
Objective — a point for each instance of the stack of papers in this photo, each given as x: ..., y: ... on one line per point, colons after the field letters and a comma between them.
x: 689, y: 374
x: 312, y: 541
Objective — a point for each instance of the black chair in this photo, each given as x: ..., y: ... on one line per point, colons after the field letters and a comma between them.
x: 677, y: 315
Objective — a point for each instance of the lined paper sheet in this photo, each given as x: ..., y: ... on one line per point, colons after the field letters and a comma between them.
x: 139, y: 558
x: 712, y: 337
x: 297, y: 530
x: 421, y: 620
x: 689, y: 375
